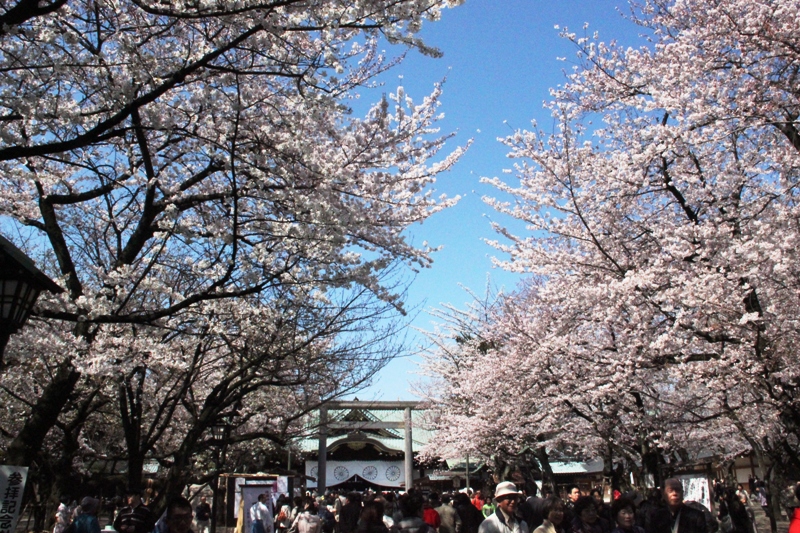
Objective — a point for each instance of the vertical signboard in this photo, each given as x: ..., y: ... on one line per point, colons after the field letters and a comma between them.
x: 12, y: 487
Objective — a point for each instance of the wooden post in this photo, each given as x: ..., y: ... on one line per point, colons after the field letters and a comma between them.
x: 322, y: 461
x: 409, y: 460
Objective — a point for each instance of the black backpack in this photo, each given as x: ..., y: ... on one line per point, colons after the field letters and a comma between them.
x: 328, y: 520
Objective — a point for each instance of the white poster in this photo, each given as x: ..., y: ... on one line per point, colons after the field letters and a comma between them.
x: 249, y: 493
x: 12, y: 487
x: 282, y: 487
x: 266, y: 486
x: 695, y: 488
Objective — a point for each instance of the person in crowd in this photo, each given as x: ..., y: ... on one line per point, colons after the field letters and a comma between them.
x: 178, y: 517
x: 391, y: 509
x: 532, y: 508
x: 338, y: 502
x: 283, y: 499
x: 718, y: 490
x: 504, y: 519
x: 676, y: 517
x: 202, y: 515
x: 283, y: 520
x: 712, y: 526
x: 110, y: 506
x: 269, y: 519
x: 470, y: 517
x: 450, y: 521
x: 489, y: 507
x: 411, y: 504
x: 387, y: 519
x: 371, y: 520
x: 429, y: 513
x: 623, y: 511
x: 327, y: 517
x: 86, y: 521
x: 586, y: 518
x: 646, y: 509
x: 297, y: 508
x: 350, y: 513
x: 478, y: 501
x: 63, y: 516
x: 308, y: 520
x: 573, y: 493
x: 763, y: 497
x: 741, y: 490
x: 734, y: 512
x: 794, y: 523
x: 135, y: 517
x: 552, y: 516
x: 257, y: 512
x: 603, y: 509
x: 751, y: 518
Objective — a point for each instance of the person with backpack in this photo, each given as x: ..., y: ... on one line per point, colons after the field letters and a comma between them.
x: 327, y: 517
x: 283, y: 520
x: 308, y: 521
x: 86, y: 522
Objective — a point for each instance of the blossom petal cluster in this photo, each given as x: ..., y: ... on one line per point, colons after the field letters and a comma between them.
x: 659, y: 320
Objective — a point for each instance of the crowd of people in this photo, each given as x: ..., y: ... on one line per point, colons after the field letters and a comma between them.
x: 134, y: 517
x: 509, y: 510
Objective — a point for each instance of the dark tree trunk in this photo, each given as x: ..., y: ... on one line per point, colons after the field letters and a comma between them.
x: 651, y: 461
x: 24, y: 448
x: 179, y: 473
x: 131, y: 391
x: 547, y: 471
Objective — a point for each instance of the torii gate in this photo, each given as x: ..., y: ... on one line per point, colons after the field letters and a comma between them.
x: 370, y: 406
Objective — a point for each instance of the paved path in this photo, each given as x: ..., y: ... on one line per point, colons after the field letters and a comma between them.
x: 762, y: 522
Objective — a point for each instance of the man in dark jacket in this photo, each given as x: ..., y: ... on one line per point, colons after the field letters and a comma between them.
x: 202, y: 515
x: 350, y: 513
x: 136, y: 517
x: 531, y: 509
x: 676, y: 517
x: 471, y: 518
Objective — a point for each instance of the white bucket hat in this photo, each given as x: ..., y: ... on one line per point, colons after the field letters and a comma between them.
x: 506, y: 488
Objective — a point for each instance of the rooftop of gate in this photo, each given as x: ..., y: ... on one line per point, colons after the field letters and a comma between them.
x: 370, y: 412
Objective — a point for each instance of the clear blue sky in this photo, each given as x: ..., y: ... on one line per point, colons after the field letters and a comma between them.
x: 500, y: 60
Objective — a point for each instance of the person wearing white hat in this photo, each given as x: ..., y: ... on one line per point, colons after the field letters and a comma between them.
x: 504, y: 519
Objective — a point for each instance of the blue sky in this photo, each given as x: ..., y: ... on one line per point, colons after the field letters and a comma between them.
x: 500, y: 60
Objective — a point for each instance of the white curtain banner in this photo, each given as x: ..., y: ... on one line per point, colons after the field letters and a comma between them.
x: 384, y: 473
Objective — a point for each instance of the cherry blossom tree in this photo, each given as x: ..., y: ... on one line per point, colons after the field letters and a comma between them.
x: 194, y: 176
x: 662, y: 228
